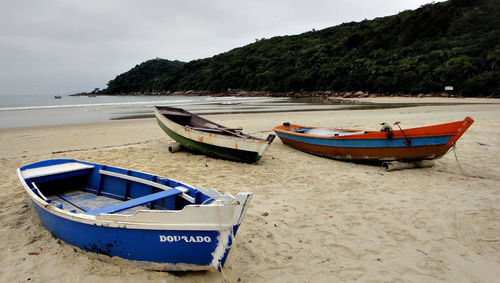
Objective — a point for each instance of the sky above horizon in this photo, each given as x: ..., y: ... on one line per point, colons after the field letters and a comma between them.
x: 70, y: 46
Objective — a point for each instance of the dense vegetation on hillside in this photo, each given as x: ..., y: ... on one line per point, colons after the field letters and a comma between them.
x: 450, y: 43
x: 140, y: 77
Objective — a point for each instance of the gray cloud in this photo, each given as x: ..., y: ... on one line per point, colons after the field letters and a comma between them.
x: 60, y: 47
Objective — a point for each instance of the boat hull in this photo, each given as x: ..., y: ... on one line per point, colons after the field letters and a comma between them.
x: 247, y: 150
x: 172, y: 250
x: 212, y: 149
x: 370, y: 153
x: 416, y: 144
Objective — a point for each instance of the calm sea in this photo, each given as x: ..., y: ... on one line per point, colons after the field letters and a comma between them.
x: 36, y: 110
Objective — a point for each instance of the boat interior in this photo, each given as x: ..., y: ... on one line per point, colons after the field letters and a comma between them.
x: 327, y: 132
x: 93, y: 189
x: 187, y: 119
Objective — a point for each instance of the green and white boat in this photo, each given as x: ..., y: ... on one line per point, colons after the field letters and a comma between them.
x: 201, y: 135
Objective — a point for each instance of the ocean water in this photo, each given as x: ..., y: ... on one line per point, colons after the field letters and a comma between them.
x: 37, y: 110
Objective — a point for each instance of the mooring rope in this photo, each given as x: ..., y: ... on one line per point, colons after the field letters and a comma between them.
x: 458, y: 163
x: 460, y: 167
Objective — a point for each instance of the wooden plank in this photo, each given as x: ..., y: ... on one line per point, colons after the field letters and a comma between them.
x: 134, y: 202
x: 70, y: 201
x: 217, y: 129
x: 221, y: 130
x: 54, y: 169
x: 207, y: 129
x: 174, y: 113
x: 149, y: 183
x: 233, y: 133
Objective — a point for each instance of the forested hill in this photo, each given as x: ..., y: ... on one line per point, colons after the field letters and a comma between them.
x: 141, y: 76
x: 453, y: 43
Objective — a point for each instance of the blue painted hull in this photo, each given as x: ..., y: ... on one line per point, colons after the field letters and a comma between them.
x: 368, y: 143
x: 159, y: 246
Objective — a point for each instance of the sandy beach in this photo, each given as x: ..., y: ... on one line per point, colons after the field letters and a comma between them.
x: 311, y: 219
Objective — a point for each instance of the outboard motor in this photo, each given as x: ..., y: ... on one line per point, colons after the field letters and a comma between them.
x: 388, y: 129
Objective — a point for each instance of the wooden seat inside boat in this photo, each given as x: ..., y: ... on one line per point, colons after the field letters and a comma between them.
x: 55, y: 169
x: 135, y: 202
x: 183, y: 191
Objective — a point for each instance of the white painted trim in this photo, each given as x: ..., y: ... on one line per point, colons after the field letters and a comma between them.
x: 39, y: 192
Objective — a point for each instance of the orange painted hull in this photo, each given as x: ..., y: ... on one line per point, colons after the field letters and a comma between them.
x: 408, y: 145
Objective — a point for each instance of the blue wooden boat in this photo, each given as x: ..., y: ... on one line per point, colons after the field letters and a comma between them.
x: 158, y: 223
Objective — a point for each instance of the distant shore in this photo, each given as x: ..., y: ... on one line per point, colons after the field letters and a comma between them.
x: 327, y: 97
x: 319, y: 95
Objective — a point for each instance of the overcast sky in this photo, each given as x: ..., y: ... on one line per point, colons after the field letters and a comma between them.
x: 69, y: 46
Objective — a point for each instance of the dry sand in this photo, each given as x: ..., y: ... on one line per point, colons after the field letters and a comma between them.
x: 311, y: 219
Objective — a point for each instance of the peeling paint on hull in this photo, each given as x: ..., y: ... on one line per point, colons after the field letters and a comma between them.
x: 212, y: 150
x: 234, y: 146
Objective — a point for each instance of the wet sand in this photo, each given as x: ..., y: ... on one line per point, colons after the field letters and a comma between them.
x: 311, y: 218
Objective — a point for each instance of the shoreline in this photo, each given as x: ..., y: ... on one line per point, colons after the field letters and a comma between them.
x: 108, y: 129
x: 311, y: 218
x: 427, y: 100
x: 291, y: 94
x: 108, y: 111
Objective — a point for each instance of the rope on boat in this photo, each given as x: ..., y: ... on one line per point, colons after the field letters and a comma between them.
x: 456, y: 158
x: 460, y: 167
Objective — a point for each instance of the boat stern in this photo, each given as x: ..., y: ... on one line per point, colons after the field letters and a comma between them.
x: 226, y: 237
